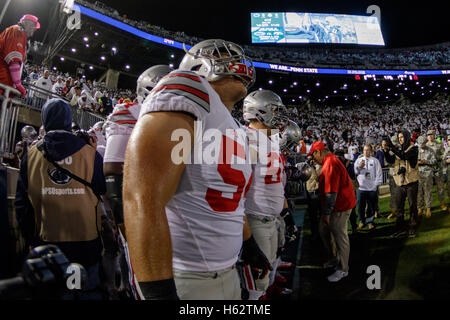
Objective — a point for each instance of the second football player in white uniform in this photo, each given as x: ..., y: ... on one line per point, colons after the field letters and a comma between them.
x: 265, y: 199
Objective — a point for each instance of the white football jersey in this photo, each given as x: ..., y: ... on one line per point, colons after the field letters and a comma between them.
x: 266, y: 194
x: 206, y: 213
x: 119, y: 125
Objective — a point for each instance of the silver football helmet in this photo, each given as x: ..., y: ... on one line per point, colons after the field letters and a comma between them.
x: 290, y: 136
x: 216, y: 58
x: 28, y: 134
x: 148, y: 80
x: 305, y: 171
x: 266, y: 107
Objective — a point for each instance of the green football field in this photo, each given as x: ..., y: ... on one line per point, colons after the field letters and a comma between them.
x: 411, y: 268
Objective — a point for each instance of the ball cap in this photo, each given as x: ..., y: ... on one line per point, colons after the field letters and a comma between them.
x: 318, y: 145
x: 430, y: 132
x: 32, y: 18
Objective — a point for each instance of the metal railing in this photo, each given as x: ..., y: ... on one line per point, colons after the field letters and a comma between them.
x: 385, y: 176
x: 8, y: 120
x: 36, y: 97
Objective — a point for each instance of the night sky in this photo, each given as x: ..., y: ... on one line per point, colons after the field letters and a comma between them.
x: 403, y: 23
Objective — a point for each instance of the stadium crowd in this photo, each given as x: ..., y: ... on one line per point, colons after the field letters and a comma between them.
x: 44, y: 83
x: 422, y: 57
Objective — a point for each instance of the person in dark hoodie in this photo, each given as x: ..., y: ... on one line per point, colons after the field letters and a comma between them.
x: 54, y: 208
x: 406, y: 177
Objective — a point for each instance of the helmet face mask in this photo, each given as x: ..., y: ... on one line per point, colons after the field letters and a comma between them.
x: 216, y: 58
x: 266, y: 107
x: 290, y: 136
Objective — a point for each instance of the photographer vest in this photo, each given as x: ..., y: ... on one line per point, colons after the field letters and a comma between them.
x: 411, y: 175
x: 65, y: 210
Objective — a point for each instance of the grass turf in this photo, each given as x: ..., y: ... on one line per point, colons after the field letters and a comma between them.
x: 411, y: 268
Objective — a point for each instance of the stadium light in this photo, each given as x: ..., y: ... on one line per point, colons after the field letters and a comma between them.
x: 270, y: 81
x: 284, y: 90
x: 334, y: 91
x: 326, y: 97
x: 346, y: 99
x: 103, y: 58
x: 365, y: 91
x: 300, y: 97
x: 85, y: 39
x: 91, y: 68
x: 172, y: 56
x: 127, y: 67
x: 87, y: 45
x: 260, y: 89
x: 171, y: 65
x: 62, y: 58
x: 114, y: 49
x: 96, y: 34
x: 54, y: 68
x: 317, y: 84
x: 74, y: 50
x: 308, y: 91
x: 295, y: 83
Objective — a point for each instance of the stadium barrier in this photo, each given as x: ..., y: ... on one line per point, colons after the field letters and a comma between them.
x: 8, y: 120
x: 385, y: 176
x: 36, y: 97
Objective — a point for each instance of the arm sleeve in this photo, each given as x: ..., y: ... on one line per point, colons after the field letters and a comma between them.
x: 331, y: 180
x: 14, y: 71
x: 330, y: 201
x: 15, y: 46
x: 98, y: 179
x: 357, y: 168
x: 24, y: 209
x: 412, y: 156
x: 379, y: 173
x: 390, y: 158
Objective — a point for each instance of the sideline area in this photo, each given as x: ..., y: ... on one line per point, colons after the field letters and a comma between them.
x: 411, y: 268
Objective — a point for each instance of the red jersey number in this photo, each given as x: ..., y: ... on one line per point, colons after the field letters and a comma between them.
x: 230, y: 176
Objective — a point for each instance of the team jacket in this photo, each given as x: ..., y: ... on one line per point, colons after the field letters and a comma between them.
x: 13, y: 43
x: 52, y: 207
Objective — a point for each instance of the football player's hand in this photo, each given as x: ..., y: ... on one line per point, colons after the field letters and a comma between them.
x: 291, y: 232
x: 253, y: 256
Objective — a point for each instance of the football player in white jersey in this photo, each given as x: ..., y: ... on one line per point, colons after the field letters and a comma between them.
x: 184, y: 220
x: 264, y: 110
x: 118, y: 128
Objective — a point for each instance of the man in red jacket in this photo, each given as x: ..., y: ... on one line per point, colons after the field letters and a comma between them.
x: 13, y: 50
x: 338, y: 200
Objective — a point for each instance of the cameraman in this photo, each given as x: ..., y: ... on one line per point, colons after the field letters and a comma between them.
x: 53, y: 205
x: 406, y: 177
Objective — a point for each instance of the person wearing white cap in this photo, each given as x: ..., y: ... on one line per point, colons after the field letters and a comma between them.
x: 13, y: 44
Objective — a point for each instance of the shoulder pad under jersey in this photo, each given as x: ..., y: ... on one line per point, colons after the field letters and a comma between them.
x: 184, y: 83
x: 122, y: 115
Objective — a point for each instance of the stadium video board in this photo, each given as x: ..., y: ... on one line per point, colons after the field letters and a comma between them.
x: 303, y: 27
